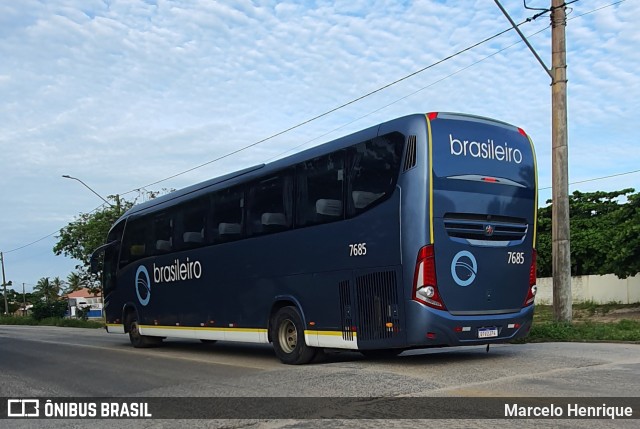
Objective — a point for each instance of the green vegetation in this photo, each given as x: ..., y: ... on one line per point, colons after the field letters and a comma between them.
x: 623, y: 330
x: 605, y: 234
x: 89, y: 231
x: 50, y: 321
x: 591, y: 322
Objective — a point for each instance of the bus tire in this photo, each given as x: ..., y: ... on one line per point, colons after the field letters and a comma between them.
x: 137, y: 340
x: 288, y: 338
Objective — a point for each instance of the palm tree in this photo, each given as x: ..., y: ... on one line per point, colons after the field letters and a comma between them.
x: 49, y: 290
x: 43, y: 288
x: 74, y: 283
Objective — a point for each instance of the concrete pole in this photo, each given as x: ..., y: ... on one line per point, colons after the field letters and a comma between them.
x: 4, y: 285
x: 562, y: 300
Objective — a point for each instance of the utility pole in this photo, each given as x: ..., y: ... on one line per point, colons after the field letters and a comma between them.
x: 4, y: 285
x: 24, y: 301
x: 561, y: 250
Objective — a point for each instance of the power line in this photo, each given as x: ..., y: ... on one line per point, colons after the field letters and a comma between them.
x: 328, y: 112
x: 407, y: 96
x: 597, y: 178
x: 363, y: 96
x: 596, y: 10
x: 370, y: 113
x: 46, y: 236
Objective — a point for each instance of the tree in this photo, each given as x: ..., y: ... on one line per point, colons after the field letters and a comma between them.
x: 14, y: 300
x: 89, y: 231
x: 605, y: 234
x: 46, y: 290
x: 74, y: 283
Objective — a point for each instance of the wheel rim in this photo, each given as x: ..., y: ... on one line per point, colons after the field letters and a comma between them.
x: 133, y: 331
x: 288, y: 336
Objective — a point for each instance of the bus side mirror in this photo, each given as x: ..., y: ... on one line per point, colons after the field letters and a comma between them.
x: 94, y: 266
x: 93, y: 263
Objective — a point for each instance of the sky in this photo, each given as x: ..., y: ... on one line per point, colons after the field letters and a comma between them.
x: 124, y: 93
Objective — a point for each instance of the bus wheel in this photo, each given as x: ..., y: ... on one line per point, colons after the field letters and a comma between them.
x: 288, y: 338
x: 138, y: 340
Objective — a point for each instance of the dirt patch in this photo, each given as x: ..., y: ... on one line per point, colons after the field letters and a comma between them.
x: 613, y: 315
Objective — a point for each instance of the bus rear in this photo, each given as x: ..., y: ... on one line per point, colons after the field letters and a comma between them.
x: 474, y: 278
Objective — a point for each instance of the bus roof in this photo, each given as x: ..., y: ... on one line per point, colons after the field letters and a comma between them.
x: 322, y: 149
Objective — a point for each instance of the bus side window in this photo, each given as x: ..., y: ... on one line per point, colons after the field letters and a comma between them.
x: 227, y: 217
x: 374, y: 166
x: 320, y: 190
x: 162, y: 234
x: 134, y: 241
x: 270, y: 204
x: 191, y: 224
x: 110, y: 267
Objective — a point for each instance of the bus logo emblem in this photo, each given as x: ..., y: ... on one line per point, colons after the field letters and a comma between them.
x: 488, y: 230
x: 464, y: 268
x: 143, y: 285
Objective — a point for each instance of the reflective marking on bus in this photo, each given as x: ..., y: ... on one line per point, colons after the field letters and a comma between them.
x: 535, y: 205
x: 253, y: 335
x: 330, y: 333
x: 330, y: 339
x: 115, y: 328
x: 198, y: 328
x: 430, y: 167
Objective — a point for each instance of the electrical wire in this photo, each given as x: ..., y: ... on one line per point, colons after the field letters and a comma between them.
x: 353, y: 101
x: 328, y: 112
x: 597, y: 178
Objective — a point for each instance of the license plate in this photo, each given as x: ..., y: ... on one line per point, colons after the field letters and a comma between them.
x: 487, y: 332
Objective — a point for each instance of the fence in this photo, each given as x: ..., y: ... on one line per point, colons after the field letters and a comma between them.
x: 599, y: 289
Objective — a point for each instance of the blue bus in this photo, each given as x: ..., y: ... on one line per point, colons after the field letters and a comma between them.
x: 418, y: 232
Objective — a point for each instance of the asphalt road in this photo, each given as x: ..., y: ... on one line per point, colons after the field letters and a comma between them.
x: 52, y: 362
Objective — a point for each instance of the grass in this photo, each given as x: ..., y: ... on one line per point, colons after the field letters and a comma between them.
x: 589, y: 324
x: 51, y: 321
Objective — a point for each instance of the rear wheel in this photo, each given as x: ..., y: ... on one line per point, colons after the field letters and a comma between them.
x: 287, y: 333
x: 138, y: 340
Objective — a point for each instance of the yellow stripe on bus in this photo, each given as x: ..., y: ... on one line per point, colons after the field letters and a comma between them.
x: 329, y: 333
x: 204, y: 328
x: 535, y: 207
x: 430, y: 166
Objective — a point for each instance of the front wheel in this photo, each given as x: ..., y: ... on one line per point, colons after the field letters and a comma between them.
x: 287, y: 333
x: 138, y: 340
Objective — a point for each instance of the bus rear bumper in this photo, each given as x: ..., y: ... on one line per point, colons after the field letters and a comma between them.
x: 432, y: 328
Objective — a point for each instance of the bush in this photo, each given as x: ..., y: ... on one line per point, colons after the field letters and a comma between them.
x: 44, y: 310
x: 83, y: 313
x: 50, y: 321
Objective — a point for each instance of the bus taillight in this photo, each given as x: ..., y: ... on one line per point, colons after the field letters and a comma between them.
x: 531, y: 295
x: 425, y: 288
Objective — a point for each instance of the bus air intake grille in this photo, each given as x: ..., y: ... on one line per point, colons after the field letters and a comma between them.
x: 477, y: 228
x: 411, y: 154
x: 345, y: 310
x: 377, y: 305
